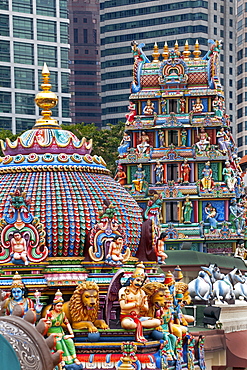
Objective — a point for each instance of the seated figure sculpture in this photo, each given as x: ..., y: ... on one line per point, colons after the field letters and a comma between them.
x: 133, y: 301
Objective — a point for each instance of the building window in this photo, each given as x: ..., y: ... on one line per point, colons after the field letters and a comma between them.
x: 240, y: 127
x: 230, y: 58
x: 96, y: 52
x: 22, y: 6
x: 230, y: 47
x: 6, y: 122
x: 230, y: 34
x: 4, y: 5
x: 221, y: 33
x: 239, y: 10
x: 46, y: 30
x: 215, y: 6
x: 23, y: 53
x: 222, y: 21
x: 230, y: 23
x: 63, y: 8
x: 24, y: 103
x: 240, y: 141
x: 5, y: 102
x: 75, y: 20
x: 240, y: 84
x: 4, y: 51
x: 64, y: 33
x: 222, y: 9
x: 24, y: 78
x: 240, y: 113
x: 215, y: 31
x: 5, y: 79
x: 231, y: 10
x: 65, y: 105
x: 47, y: 53
x: 24, y: 124
x: 85, y: 36
x: 215, y: 18
x: 230, y: 94
x: 23, y: 27
x: 240, y: 154
x: 230, y: 70
x: 221, y: 57
x: 84, y: 20
x: 64, y: 58
x: 221, y: 69
x: 245, y: 125
x: 240, y: 69
x: 76, y: 36
x: 239, y: 39
x: 76, y: 51
x: 240, y: 54
x: 230, y: 106
x: 86, y: 51
x: 94, y: 36
x: 65, y: 82
x: 230, y: 82
x: 245, y: 111
x: 46, y: 7
x: 4, y: 25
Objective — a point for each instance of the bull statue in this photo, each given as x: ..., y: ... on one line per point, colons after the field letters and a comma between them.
x: 240, y: 290
x: 201, y: 288
x: 224, y: 289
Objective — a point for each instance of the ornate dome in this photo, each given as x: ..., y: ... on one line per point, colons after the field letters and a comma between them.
x: 66, y: 185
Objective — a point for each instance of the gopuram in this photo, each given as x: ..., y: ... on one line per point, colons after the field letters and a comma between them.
x: 85, y: 259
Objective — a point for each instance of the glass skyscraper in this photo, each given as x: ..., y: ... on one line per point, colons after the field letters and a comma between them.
x: 32, y: 32
x: 150, y: 21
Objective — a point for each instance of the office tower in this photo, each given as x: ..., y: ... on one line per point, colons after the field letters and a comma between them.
x: 32, y: 32
x: 159, y: 21
x: 84, y: 58
x: 241, y: 46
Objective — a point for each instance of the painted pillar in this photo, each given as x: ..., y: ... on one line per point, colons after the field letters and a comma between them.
x: 189, y: 137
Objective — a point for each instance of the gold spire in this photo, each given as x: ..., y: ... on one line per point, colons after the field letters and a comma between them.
x: 156, y: 53
x: 197, y: 51
x: 186, y: 52
x: 165, y: 53
x: 46, y: 100
x: 176, y: 48
x: 126, y: 364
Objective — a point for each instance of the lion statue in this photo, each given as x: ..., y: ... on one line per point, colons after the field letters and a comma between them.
x: 82, y: 309
x: 156, y: 297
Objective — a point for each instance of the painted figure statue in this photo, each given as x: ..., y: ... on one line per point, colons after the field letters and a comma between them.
x: 183, y: 137
x: 182, y: 105
x: 115, y: 255
x: 19, y: 296
x: 204, y: 141
x: 185, y: 171
x: 207, y: 181
x: 159, y: 171
x: 161, y: 135
x: 130, y: 117
x: 19, y: 247
x: 133, y: 301
x: 120, y: 175
x: 160, y: 248
x: 144, y: 146
x: 124, y: 145
x: 218, y: 107
x: 223, y: 140
x: 236, y: 216
x: 56, y: 320
x: 229, y: 176
x: 198, y: 106
x: 139, y: 178
x: 241, y: 251
x: 211, y: 215
x: 187, y: 210
x: 163, y: 105
x: 149, y: 108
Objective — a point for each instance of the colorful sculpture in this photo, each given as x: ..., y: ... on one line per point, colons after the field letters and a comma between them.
x: 183, y: 137
x: 120, y: 175
x: 223, y: 140
x: 211, y: 216
x: 19, y: 296
x: 124, y: 145
x: 133, y: 301
x: 204, y: 141
x: 115, y: 255
x: 207, y: 181
x: 185, y: 171
x: 139, y: 179
x: 161, y: 138
x: 160, y: 249
x: 159, y: 171
x: 144, y: 146
x: 187, y: 210
x: 149, y: 108
x: 198, y: 106
x: 229, y: 176
x: 130, y: 117
x: 236, y: 216
x: 56, y: 319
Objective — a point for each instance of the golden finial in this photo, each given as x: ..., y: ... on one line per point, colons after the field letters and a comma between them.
x: 126, y: 364
x: 176, y: 48
x: 156, y: 53
x: 197, y: 51
x: 165, y: 53
x: 46, y: 100
x: 186, y: 52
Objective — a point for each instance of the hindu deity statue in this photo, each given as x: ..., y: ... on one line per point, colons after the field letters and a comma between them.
x: 149, y: 108
x: 183, y: 135
x: 218, y: 107
x: 211, y: 216
x: 130, y: 117
x: 229, y: 176
x: 139, y: 178
x: 124, y: 145
x: 56, y: 320
x: 144, y: 145
x: 207, y: 181
x: 163, y: 105
x: 198, y: 106
x: 187, y: 210
x: 240, y: 251
x: 223, y: 140
x: 161, y: 135
x: 115, y: 254
x: 133, y: 301
x: 120, y: 175
x: 182, y: 105
x: 19, y: 296
x: 204, y: 140
x: 185, y: 171
x: 159, y: 171
x: 236, y: 216
x: 160, y: 248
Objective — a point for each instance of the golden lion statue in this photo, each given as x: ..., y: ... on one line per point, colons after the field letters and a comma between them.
x: 82, y: 309
x: 156, y: 297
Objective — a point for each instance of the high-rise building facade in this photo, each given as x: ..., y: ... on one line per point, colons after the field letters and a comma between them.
x: 32, y: 32
x: 84, y: 58
x: 123, y: 21
x: 241, y: 45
